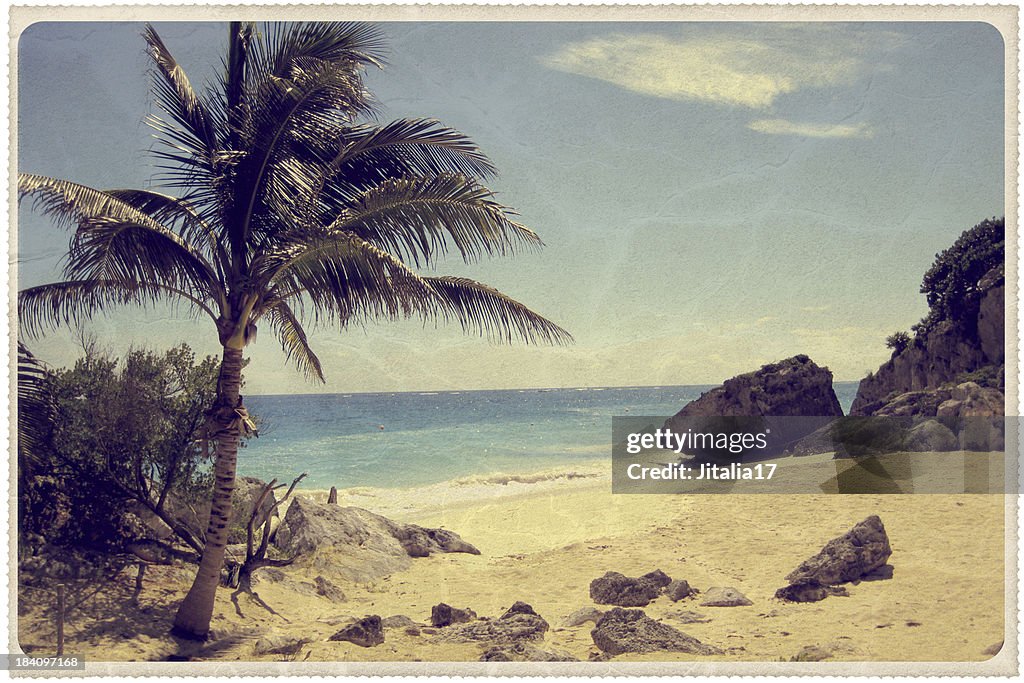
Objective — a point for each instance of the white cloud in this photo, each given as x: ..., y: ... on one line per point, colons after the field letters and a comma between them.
x: 744, y: 69
x: 811, y: 130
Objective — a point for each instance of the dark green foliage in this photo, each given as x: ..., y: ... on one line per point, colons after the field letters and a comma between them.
x: 898, y: 341
x: 123, y: 435
x: 951, y: 284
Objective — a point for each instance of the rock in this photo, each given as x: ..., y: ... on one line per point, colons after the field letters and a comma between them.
x: 724, y: 597
x: 631, y: 630
x: 686, y: 616
x: 366, y: 632
x: 582, y: 616
x: 811, y: 653
x: 367, y: 546
x: 678, y: 589
x: 444, y: 614
x: 279, y: 644
x: 524, y: 652
x: 617, y: 589
x: 993, y: 650
x: 194, y: 514
x: 269, y: 574
x: 332, y: 497
x: 931, y: 435
x: 991, y: 318
x: 883, y: 573
x: 412, y: 630
x: 859, y: 551
x: 397, y: 621
x: 328, y: 590
x: 519, y: 623
x: 657, y: 578
x: 792, y: 388
x: 808, y: 592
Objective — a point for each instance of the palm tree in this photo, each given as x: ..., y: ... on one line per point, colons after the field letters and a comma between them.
x: 282, y: 208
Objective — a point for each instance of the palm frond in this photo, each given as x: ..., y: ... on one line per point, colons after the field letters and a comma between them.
x: 406, y: 147
x: 178, y: 214
x: 187, y: 129
x: 293, y: 340
x: 345, y: 278
x: 35, y: 410
x: 305, y: 84
x: 70, y: 204
x: 417, y: 216
x: 487, y: 311
x: 72, y: 302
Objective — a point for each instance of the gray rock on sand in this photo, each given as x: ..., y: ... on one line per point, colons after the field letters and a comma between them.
x: 993, y: 650
x: 859, y: 553
x: 724, y: 597
x: 678, y: 589
x: 397, y: 621
x: 631, y: 630
x: 809, y: 592
x: 811, y: 653
x: 582, y: 616
x: 519, y: 623
x: 443, y: 614
x: 618, y: 589
x: 366, y: 632
x: 326, y: 589
x: 279, y: 644
x: 524, y: 652
x: 689, y: 617
x: 367, y: 546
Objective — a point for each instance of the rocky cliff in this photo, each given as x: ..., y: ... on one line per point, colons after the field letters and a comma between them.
x: 950, y: 353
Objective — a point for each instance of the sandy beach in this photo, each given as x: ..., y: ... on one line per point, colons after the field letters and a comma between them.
x: 543, y: 539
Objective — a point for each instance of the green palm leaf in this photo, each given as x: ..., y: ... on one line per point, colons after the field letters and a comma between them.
x: 487, y: 311
x: 419, y: 216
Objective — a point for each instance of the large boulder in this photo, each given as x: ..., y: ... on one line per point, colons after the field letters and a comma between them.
x: 790, y: 399
x: 855, y: 554
x: 631, y: 630
x: 359, y: 545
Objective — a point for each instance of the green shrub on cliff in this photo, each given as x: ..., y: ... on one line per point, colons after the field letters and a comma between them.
x: 951, y: 284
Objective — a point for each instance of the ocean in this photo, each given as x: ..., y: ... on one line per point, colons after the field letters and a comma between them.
x: 398, y: 440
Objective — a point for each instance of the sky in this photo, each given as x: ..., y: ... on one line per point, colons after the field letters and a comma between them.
x: 712, y: 196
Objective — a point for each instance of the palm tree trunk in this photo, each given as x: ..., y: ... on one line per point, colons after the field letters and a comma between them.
x: 193, y: 618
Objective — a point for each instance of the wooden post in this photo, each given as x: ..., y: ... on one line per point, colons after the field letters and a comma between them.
x: 60, y: 619
x: 332, y: 497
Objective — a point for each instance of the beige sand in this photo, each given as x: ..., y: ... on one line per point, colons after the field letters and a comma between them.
x: 543, y: 542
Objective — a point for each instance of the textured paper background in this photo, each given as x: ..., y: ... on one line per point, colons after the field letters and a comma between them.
x: 1003, y: 18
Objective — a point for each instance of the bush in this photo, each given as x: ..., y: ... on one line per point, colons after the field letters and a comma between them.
x: 124, y: 434
x: 897, y: 341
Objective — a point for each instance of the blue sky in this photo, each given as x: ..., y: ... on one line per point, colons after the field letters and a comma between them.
x: 712, y: 196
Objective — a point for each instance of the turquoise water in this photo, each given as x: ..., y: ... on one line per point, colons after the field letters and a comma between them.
x: 428, y: 437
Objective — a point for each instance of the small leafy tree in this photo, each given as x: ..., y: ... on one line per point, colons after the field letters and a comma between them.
x: 951, y: 284
x: 125, y: 431
x: 898, y: 341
